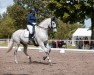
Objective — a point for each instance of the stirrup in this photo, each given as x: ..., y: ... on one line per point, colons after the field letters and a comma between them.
x: 29, y: 42
x: 34, y: 42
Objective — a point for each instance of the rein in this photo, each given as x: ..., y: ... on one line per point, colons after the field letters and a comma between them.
x: 52, y: 19
x: 43, y: 28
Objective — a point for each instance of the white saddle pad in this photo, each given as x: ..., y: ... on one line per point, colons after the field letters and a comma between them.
x: 26, y: 33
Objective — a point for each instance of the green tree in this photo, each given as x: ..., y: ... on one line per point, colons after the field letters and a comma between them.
x: 0, y: 16
x: 6, y: 27
x: 17, y: 13
x: 65, y: 31
x: 72, y: 11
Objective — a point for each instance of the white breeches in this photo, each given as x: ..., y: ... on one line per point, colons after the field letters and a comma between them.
x: 30, y: 28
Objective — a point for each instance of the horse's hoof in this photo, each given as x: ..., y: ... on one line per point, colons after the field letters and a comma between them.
x: 16, y: 62
x: 50, y: 64
x: 44, y: 57
x: 30, y: 61
x: 49, y: 51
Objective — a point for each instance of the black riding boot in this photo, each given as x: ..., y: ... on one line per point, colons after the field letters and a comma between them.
x: 30, y: 38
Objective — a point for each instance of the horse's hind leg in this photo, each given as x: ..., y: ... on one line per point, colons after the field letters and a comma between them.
x: 25, y: 52
x: 15, y: 53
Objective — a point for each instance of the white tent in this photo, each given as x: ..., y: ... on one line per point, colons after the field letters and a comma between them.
x: 81, y: 32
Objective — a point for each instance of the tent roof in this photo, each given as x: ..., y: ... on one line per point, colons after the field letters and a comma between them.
x: 82, y: 32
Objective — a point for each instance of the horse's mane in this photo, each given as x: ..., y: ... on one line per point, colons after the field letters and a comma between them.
x: 43, y: 21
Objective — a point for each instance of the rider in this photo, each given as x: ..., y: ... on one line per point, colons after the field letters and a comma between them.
x: 31, y: 22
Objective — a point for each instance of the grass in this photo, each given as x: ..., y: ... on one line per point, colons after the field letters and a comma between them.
x: 71, y: 47
x: 3, y: 44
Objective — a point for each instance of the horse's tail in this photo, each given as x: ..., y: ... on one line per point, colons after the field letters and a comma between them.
x: 10, y: 45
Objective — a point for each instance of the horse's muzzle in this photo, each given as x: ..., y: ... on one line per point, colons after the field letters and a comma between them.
x: 54, y: 30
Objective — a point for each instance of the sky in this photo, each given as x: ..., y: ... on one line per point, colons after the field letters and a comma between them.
x: 5, y: 3
x: 88, y: 23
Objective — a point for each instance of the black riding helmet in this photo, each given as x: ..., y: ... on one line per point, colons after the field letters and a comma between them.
x: 32, y: 10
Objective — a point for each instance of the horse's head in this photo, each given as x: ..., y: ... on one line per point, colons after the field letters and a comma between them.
x: 49, y: 23
x: 53, y: 24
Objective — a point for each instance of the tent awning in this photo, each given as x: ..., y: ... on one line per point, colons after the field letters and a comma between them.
x: 82, y: 32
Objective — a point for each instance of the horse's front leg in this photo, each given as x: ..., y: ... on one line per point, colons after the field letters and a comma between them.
x: 49, y: 60
x: 49, y: 48
x: 46, y: 52
x: 47, y: 56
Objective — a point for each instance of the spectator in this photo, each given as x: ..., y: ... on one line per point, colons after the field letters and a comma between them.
x: 86, y: 42
x: 77, y: 42
x: 80, y: 43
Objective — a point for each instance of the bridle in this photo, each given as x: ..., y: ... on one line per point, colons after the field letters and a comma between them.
x: 43, y: 27
x: 52, y: 24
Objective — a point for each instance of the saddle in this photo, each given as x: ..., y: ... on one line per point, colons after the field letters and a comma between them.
x: 34, y: 40
x: 26, y: 33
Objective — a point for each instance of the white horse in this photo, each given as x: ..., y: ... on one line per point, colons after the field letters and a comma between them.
x: 41, y: 35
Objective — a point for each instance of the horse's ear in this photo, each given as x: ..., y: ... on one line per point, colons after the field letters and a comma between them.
x: 54, y: 19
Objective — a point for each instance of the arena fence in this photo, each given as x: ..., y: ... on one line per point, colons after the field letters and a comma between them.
x: 62, y: 45
x: 71, y: 44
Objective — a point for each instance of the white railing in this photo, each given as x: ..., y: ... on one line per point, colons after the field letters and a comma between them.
x: 67, y: 44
